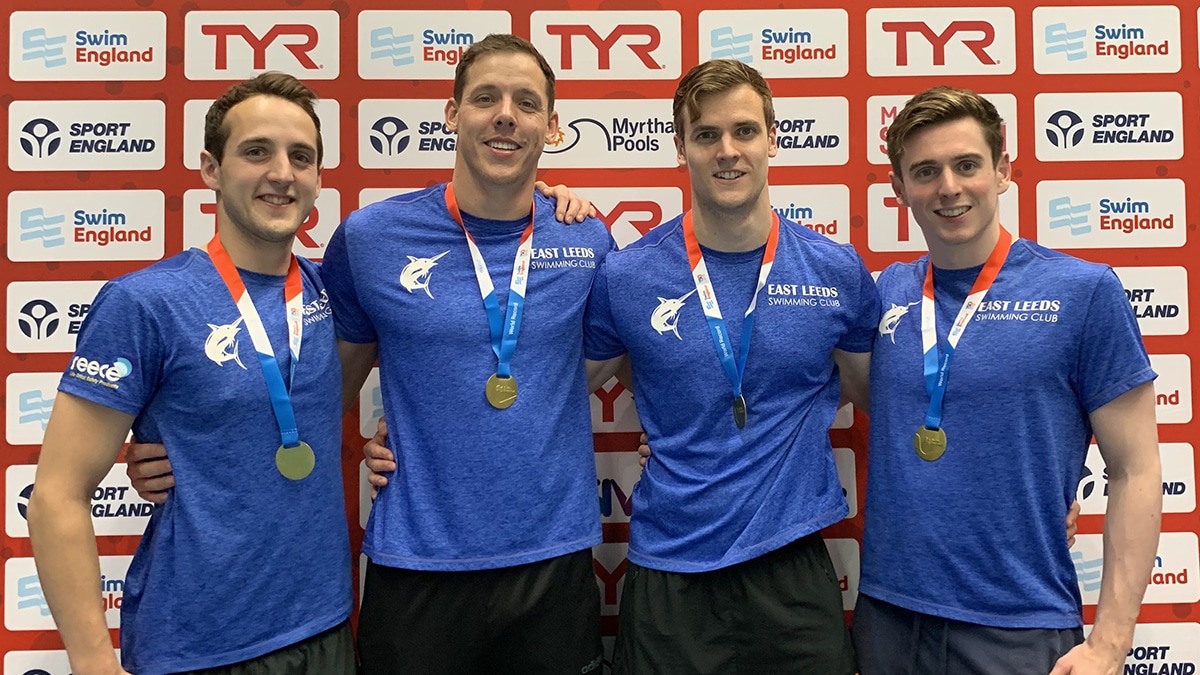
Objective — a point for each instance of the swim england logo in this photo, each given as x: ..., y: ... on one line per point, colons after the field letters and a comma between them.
x: 1065, y: 129
x: 415, y: 274
x: 891, y: 319
x: 222, y: 345
x: 40, y: 137
x: 665, y: 317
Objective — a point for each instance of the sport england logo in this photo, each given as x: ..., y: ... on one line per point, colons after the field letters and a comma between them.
x: 421, y: 45
x: 404, y: 134
x: 665, y: 317
x: 891, y: 319
x: 1134, y: 213
x: 221, y: 346
x: 415, y: 275
x: 100, y: 225
x: 941, y: 41
x: 79, y: 46
x: 388, y: 136
x: 115, y: 507
x: 38, y: 319
x: 45, y: 316
x: 222, y: 45
x: 779, y: 43
x: 86, y: 135
x: 1109, y: 126
x: 1114, y: 39
x: 587, y: 45
x: 1159, y: 298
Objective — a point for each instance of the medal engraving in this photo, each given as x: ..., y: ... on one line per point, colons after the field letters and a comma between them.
x: 501, y: 392
x: 930, y: 444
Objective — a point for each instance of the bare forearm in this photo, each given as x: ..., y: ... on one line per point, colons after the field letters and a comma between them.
x: 64, y: 547
x: 1131, y: 531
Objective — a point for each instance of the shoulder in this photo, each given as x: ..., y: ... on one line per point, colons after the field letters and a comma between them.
x: 590, y: 232
x: 901, y: 273
x: 664, y: 235
x: 418, y: 204
x: 805, y: 237
x: 1050, y: 267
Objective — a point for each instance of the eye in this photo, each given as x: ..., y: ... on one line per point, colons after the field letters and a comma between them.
x: 705, y: 135
x: 483, y: 98
x: 302, y: 158
x: 968, y: 166
x: 924, y: 172
x: 747, y: 131
x: 530, y: 104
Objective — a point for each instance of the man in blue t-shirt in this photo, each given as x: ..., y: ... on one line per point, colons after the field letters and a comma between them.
x: 202, y: 353
x: 735, y: 322
x: 974, y: 461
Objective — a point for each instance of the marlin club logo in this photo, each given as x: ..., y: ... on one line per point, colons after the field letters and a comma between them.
x: 415, y: 274
x: 222, y: 345
x: 666, y: 316
x: 891, y: 319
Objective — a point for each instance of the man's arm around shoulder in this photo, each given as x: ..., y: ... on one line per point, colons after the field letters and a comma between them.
x: 81, y: 444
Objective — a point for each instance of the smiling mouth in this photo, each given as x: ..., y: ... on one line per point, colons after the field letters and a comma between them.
x: 729, y: 175
x: 952, y: 213
x: 277, y: 200
x: 503, y: 145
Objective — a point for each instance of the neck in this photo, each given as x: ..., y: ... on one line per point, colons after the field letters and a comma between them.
x: 967, y: 254
x: 263, y: 257
x: 494, y: 202
x: 733, y: 231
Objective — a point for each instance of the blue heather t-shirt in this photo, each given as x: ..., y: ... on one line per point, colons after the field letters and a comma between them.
x: 977, y: 535
x: 475, y: 487
x: 239, y: 561
x: 713, y: 495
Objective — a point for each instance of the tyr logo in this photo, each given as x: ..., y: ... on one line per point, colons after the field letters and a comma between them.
x: 642, y: 215
x: 649, y: 34
x: 299, y: 49
x: 938, y: 41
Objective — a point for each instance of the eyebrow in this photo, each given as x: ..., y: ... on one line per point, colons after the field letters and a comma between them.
x: 741, y: 123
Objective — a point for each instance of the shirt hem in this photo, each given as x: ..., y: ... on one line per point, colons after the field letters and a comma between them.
x: 473, y: 564
x: 238, y: 656
x: 1048, y: 620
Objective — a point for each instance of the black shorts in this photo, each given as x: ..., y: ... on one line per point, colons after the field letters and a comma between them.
x: 778, y: 613
x: 328, y: 653
x: 891, y: 640
x: 537, y: 619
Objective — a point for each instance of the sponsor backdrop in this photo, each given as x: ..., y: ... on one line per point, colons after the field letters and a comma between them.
x: 103, y: 107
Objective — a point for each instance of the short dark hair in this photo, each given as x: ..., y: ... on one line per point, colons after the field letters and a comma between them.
x: 501, y: 43
x: 717, y: 77
x: 939, y: 105
x: 271, y: 83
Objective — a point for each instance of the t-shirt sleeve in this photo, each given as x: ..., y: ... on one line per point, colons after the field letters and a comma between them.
x: 1112, y: 356
x: 864, y: 315
x: 349, y: 318
x: 600, y: 341
x: 119, y: 355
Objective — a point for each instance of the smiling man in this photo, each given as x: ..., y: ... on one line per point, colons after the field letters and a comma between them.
x: 733, y: 320
x: 975, y: 461
x: 479, y: 545
x: 201, y: 352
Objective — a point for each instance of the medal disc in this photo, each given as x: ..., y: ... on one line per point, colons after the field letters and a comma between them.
x: 739, y: 411
x: 295, y: 463
x: 930, y: 444
x: 501, y: 392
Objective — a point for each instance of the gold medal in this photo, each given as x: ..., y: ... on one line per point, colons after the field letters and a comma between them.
x: 295, y: 463
x: 930, y: 444
x: 501, y: 392
x: 739, y: 411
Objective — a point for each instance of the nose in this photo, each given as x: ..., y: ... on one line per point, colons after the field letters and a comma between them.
x: 949, y: 185
x: 506, y: 113
x: 279, y: 168
x: 727, y: 148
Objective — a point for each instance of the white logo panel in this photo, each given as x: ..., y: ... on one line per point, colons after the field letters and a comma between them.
x: 612, y: 408
x: 1116, y: 39
x: 1178, y: 473
x: 892, y: 228
x: 616, y: 475
x: 812, y: 131
x: 74, y: 46
x: 846, y: 564
x: 882, y: 111
x: 1159, y: 297
x: 85, y: 225
x: 39, y: 663
x: 1107, y: 126
x: 1172, y: 388
x: 600, y: 45
x: 1173, y: 579
x: 327, y: 109
x: 612, y: 134
x: 824, y: 209
x: 30, y: 398
x: 406, y: 134
x: 1162, y: 649
x: 116, y: 508
x: 200, y: 222
x: 779, y: 43
x: 25, y: 605
x: 941, y: 41
x: 86, y: 135
x: 630, y: 213
x: 224, y: 45
x: 844, y: 460
x: 416, y: 45
x: 45, y: 316
x: 1147, y: 213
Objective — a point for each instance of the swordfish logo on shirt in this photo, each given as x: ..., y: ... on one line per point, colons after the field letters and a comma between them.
x: 415, y: 274
x: 665, y: 317
x: 891, y: 319
x: 222, y: 345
